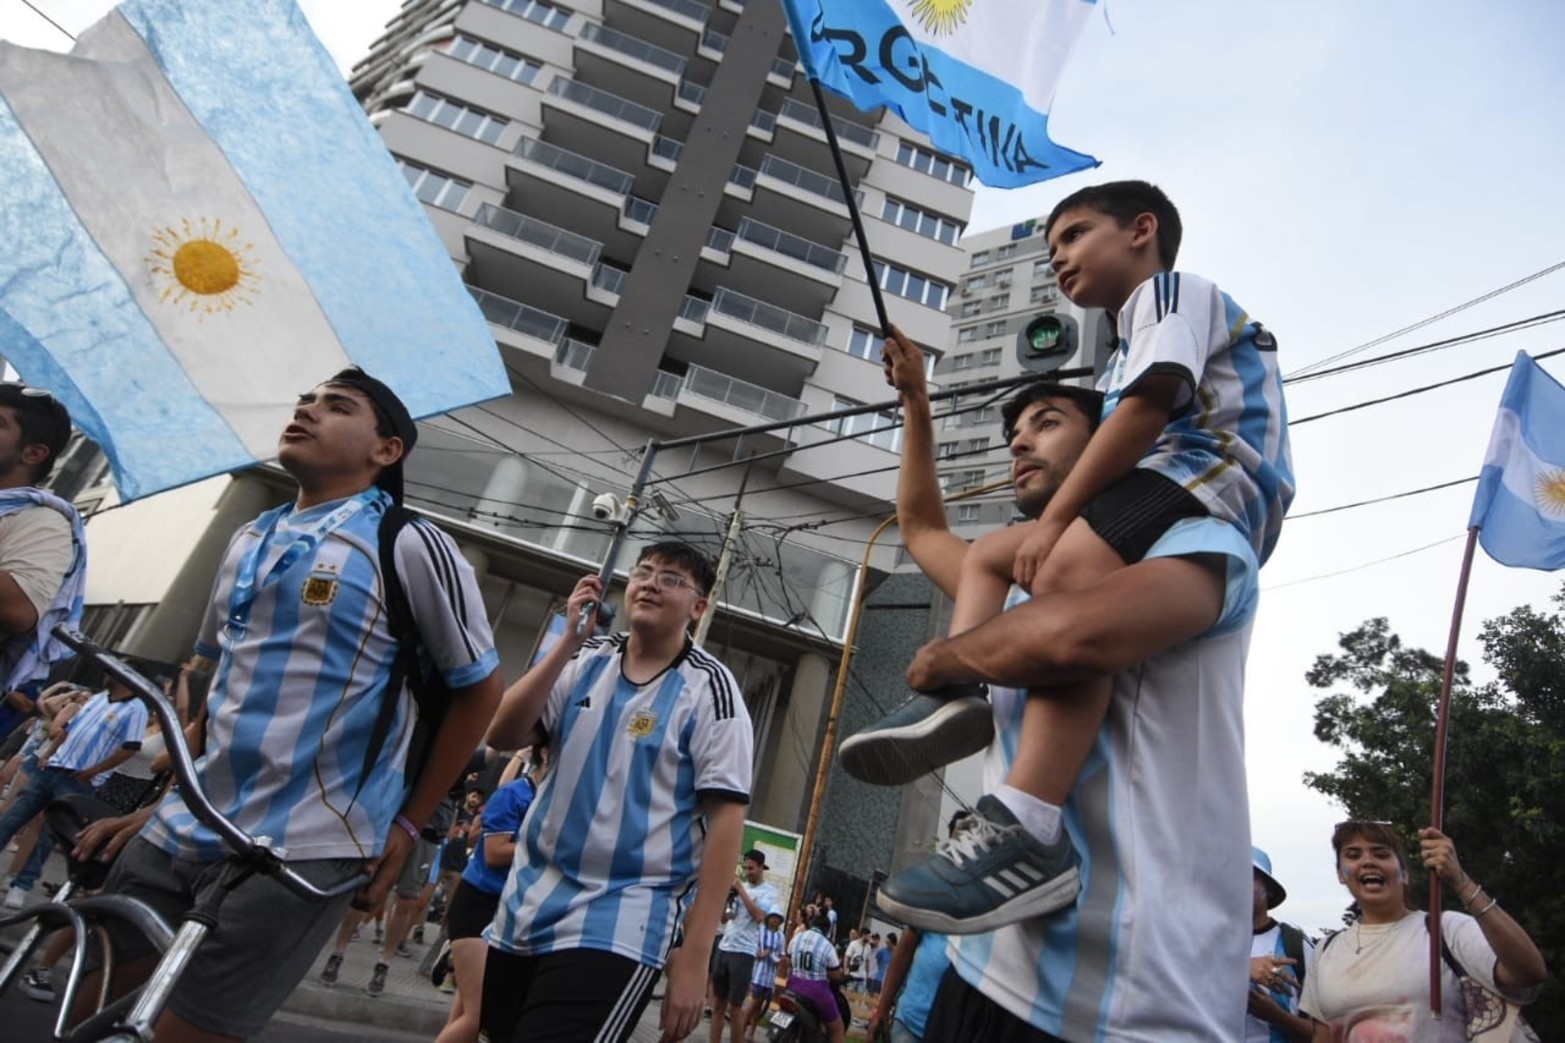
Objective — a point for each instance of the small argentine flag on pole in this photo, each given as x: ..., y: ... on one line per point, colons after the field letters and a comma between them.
x: 977, y: 76
x: 198, y: 223
x: 1519, y: 508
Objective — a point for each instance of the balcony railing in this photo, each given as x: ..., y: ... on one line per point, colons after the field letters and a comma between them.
x: 666, y: 385
x: 801, y: 177
x: 790, y: 245
x: 611, y: 105
x: 575, y: 165
x: 719, y: 239
x: 713, y: 40
x: 633, y: 47
x: 694, y: 93
x: 607, y: 277
x: 847, y: 130
x: 667, y: 148
x: 731, y: 391
x: 638, y: 209
x: 742, y: 176
x: 575, y: 354
x: 783, y: 67
x: 691, y: 9
x: 538, y: 233
x: 694, y: 309
x: 769, y: 317
x: 523, y: 318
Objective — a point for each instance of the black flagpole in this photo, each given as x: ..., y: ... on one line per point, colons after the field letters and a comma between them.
x: 853, y: 208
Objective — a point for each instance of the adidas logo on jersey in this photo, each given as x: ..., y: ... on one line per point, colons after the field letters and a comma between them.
x: 585, y: 703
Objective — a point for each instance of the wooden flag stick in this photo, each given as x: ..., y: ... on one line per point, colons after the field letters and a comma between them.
x: 1437, y: 789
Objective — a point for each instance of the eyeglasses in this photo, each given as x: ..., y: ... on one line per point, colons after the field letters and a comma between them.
x: 665, y: 580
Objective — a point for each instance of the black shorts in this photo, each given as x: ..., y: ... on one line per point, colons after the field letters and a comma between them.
x: 563, y: 997
x: 731, y: 975
x: 962, y: 1014
x: 1134, y: 513
x: 470, y: 911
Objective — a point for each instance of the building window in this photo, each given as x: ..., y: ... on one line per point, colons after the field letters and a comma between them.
x: 546, y: 15
x: 509, y: 64
x: 975, y: 282
x: 1002, y: 279
x: 1041, y: 268
x: 865, y: 344
x: 470, y: 122
x: 1044, y: 295
x: 1005, y: 252
x: 989, y: 357
x: 946, y: 449
x: 971, y: 308
x: 975, y: 445
x: 920, y: 222
x: 968, y: 512
x: 926, y: 162
x: 979, y: 258
x: 914, y: 287
x: 995, y: 328
x: 877, y: 429
x: 433, y: 187
x: 967, y: 335
x: 998, y: 303
x: 967, y: 480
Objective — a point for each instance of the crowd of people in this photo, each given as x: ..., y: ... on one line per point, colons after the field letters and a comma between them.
x: 1096, y: 659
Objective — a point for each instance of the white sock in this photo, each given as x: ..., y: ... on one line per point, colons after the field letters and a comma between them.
x: 1038, y: 817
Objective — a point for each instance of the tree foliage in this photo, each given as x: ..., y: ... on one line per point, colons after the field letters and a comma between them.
x: 1505, y: 762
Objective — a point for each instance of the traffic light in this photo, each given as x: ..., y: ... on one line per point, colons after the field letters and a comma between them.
x: 1051, y: 341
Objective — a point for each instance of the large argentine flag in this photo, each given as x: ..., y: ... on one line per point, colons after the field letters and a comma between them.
x: 977, y: 76
x: 197, y: 223
x: 1520, y: 503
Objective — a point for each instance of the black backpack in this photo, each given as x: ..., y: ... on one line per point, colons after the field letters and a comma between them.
x: 431, y: 696
x: 1293, y: 948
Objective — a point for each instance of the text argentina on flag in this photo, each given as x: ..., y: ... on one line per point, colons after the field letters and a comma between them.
x: 200, y: 223
x: 976, y: 76
x: 1520, y: 504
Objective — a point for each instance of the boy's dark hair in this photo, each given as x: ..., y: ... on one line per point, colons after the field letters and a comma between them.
x: 683, y: 555
x: 1088, y: 401
x: 1124, y: 201
x: 821, y: 923
x: 42, y: 420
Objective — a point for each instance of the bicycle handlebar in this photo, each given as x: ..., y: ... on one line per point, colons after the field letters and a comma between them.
x: 261, y: 853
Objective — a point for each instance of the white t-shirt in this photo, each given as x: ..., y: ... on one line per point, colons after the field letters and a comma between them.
x: 1269, y: 943
x: 1156, y: 947
x: 1371, y: 981
x: 856, y: 952
x: 743, y: 932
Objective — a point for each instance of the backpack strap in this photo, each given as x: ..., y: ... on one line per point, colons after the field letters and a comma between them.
x: 1293, y: 948
x: 399, y: 618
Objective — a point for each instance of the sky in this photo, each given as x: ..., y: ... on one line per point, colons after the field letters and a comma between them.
x: 1343, y: 170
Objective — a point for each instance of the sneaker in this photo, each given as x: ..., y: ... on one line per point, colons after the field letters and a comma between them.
x: 380, y: 935
x: 329, y: 972
x: 15, y: 898
x: 404, y: 951
x: 377, y: 983
x: 990, y: 873
x: 36, y: 985
x: 929, y: 731
x: 418, y: 934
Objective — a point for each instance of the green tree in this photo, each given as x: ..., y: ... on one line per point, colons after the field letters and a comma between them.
x: 1505, y: 762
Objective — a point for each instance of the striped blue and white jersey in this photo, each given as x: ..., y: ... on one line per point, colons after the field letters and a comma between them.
x: 100, y: 729
x: 299, y: 685
x: 770, y: 943
x: 1154, y: 949
x: 1270, y: 943
x: 1227, y: 439
x: 811, y: 956
x: 610, y: 850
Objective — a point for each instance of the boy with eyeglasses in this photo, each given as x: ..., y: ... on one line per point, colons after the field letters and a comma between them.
x: 651, y: 746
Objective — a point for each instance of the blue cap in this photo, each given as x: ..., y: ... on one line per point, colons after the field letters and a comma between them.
x: 1275, y: 894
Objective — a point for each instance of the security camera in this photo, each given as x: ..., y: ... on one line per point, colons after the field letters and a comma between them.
x: 605, y: 507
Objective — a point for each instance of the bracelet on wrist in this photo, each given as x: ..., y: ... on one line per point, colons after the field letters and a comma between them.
x: 1473, y: 895
x: 1479, y: 915
x: 407, y: 827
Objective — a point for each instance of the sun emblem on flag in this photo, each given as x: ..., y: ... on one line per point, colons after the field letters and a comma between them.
x: 941, y: 16
x: 1549, y: 492
x: 204, y: 266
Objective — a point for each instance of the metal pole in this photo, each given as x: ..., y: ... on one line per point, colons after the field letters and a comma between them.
x: 1437, y: 789
x: 602, y: 613
x: 724, y: 559
x: 853, y: 208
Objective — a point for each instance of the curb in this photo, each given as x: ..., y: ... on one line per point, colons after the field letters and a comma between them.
x: 350, y: 1005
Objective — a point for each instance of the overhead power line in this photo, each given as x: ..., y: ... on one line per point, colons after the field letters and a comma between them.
x: 1450, y: 342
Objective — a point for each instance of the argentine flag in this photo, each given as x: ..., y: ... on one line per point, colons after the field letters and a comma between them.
x: 198, y: 223
x: 1520, y: 504
x: 976, y: 76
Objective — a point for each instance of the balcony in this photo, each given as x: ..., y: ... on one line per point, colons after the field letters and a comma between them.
x: 522, y: 326
x: 600, y: 123
x: 769, y: 317
x: 573, y: 164
x: 607, y: 104
x: 633, y: 47
x: 573, y: 356
x: 739, y: 394
x: 788, y: 195
x: 848, y: 132
x: 540, y: 235
x: 804, y: 179
x: 576, y: 192
x: 795, y: 246
x: 674, y: 24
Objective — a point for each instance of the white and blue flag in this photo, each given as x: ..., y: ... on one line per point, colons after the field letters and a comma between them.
x: 976, y: 76
x: 1519, y: 508
x: 199, y: 223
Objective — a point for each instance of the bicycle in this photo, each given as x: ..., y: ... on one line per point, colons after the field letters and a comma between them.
x: 130, y: 1018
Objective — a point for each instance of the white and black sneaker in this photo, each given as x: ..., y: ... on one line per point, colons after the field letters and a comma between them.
x: 37, y: 985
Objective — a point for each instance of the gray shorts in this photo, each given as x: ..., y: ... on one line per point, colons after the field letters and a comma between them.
x: 415, y: 871
x: 731, y: 975
x: 266, y: 938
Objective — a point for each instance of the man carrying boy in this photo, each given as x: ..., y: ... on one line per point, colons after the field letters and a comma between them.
x: 1153, y: 945
x: 651, y: 746
x: 1193, y: 427
x: 304, y: 656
